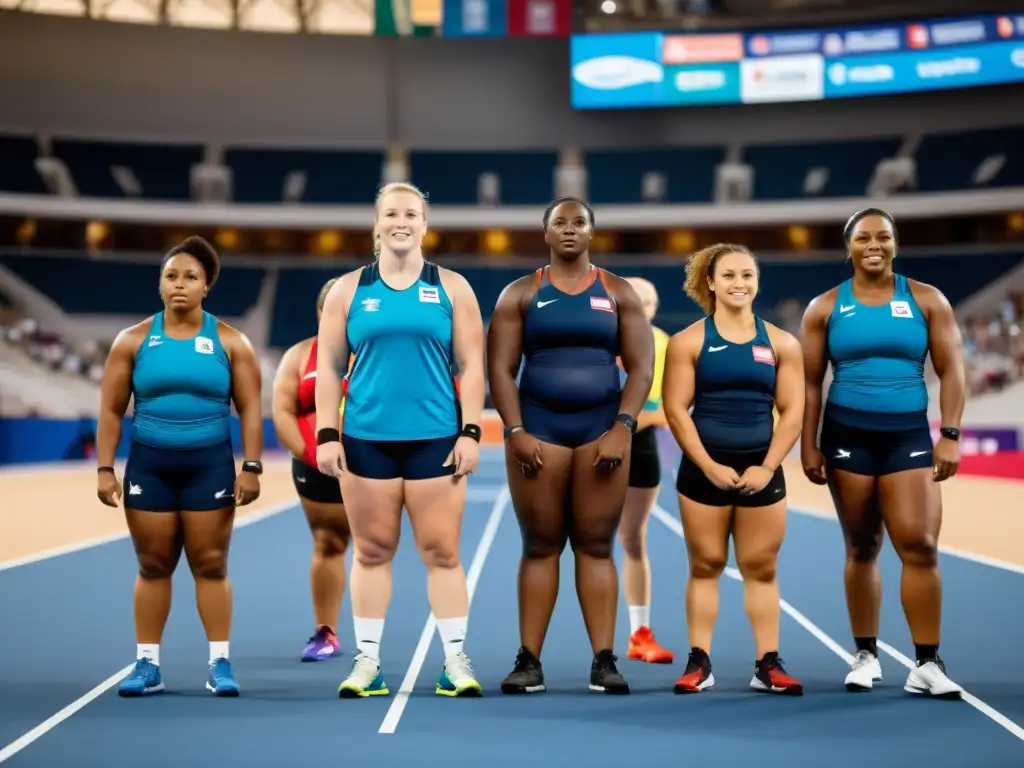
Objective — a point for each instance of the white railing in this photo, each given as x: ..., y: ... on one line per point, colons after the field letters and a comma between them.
x: 902, y: 206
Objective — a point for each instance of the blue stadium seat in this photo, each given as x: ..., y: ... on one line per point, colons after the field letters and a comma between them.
x: 948, y: 161
x: 341, y: 177
x: 615, y: 176
x: 17, y: 166
x: 452, y: 178
x: 163, y: 170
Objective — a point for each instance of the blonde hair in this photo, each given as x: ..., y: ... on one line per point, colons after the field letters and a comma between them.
x: 701, y: 266
x: 387, y: 189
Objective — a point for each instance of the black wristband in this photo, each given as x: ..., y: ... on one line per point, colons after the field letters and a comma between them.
x: 252, y: 465
x: 472, y: 431
x: 105, y: 469
x: 627, y: 421
x: 950, y: 433
x: 324, y: 436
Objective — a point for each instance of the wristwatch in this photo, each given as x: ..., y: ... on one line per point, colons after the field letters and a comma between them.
x: 950, y: 433
x: 256, y: 467
x: 627, y: 421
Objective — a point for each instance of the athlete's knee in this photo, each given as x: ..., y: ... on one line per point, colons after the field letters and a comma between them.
x: 330, y: 541
x: 758, y: 566
x: 440, y: 552
x: 707, y: 565
x: 863, y: 550
x: 154, y: 566
x: 596, y: 543
x: 538, y: 545
x: 634, y: 541
x: 209, y: 563
x: 920, y: 549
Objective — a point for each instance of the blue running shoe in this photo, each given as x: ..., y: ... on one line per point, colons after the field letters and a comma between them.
x: 142, y: 680
x: 221, y: 680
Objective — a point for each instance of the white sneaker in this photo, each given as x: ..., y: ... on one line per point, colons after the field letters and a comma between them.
x: 929, y: 679
x: 865, y: 671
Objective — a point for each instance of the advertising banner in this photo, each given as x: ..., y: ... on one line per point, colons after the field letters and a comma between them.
x: 474, y: 18
x: 539, y: 18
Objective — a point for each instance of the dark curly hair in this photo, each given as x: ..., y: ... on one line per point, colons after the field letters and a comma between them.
x: 201, y: 250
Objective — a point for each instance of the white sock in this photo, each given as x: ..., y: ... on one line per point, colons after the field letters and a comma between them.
x: 453, y: 634
x: 218, y: 651
x: 149, y: 651
x: 639, y: 616
x: 368, y: 635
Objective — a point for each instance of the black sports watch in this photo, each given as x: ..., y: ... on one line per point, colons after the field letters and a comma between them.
x: 950, y: 433
x: 627, y: 421
x: 256, y: 467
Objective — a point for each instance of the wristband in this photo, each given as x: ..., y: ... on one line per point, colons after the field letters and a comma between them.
x: 471, y: 431
x: 105, y: 469
x: 256, y: 467
x: 627, y: 421
x: 324, y: 436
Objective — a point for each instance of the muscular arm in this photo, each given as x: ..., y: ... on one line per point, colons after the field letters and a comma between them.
x: 332, y: 352
x: 468, y: 343
x: 284, y: 409
x: 505, y: 351
x: 813, y: 338
x: 636, y: 343
x: 789, y: 398
x: 678, y: 391
x: 246, y: 391
x: 115, y: 394
x: 946, y: 346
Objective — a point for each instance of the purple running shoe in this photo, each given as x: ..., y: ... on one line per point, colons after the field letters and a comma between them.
x: 322, y: 645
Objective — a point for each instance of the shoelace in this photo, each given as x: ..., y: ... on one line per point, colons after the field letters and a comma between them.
x: 862, y: 659
x: 460, y: 666
x: 364, y: 669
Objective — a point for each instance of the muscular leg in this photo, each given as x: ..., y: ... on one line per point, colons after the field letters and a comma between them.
x: 758, y: 533
x: 856, y: 504
x: 435, y: 512
x: 539, y: 503
x: 207, y: 542
x: 598, y: 498
x: 331, y: 534
x: 706, y: 531
x: 157, y: 537
x: 912, y: 509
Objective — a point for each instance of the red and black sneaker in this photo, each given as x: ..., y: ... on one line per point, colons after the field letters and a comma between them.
x: 697, y: 677
x: 771, y: 677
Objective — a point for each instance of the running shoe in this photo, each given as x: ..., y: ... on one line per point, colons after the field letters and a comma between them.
x: 604, y: 676
x: 771, y: 677
x: 365, y: 679
x: 142, y: 680
x: 220, y: 680
x: 697, y: 676
x: 526, y: 677
x: 457, y: 678
x: 865, y: 671
x: 644, y: 647
x: 928, y: 678
x: 324, y: 644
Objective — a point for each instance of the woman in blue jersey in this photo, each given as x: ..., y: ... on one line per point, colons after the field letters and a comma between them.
x: 184, y: 368
x: 732, y: 367
x: 569, y: 425
x: 409, y: 323
x: 876, y: 452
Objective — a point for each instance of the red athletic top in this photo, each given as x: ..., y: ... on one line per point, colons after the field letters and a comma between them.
x: 307, y: 407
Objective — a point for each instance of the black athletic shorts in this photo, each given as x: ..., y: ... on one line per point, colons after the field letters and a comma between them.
x: 310, y: 483
x: 407, y: 459
x: 875, y: 452
x: 694, y: 485
x: 185, y: 480
x: 644, y: 463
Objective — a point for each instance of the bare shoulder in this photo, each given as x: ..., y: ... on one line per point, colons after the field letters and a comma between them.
x: 927, y: 296
x: 128, y: 340
x: 234, y: 341
x: 296, y: 353
x: 454, y: 283
x: 688, y: 341
x: 519, y: 291
x: 783, y: 342
x: 821, y: 306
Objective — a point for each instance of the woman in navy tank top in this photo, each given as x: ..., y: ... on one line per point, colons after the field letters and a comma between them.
x: 294, y: 413
x: 876, y: 453
x: 183, y: 367
x: 569, y: 424
x: 733, y: 368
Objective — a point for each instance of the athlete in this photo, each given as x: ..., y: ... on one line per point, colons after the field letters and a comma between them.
x: 644, y: 482
x: 569, y: 425
x: 408, y: 322
x: 184, y: 368
x: 294, y: 411
x: 732, y: 367
x: 876, y: 452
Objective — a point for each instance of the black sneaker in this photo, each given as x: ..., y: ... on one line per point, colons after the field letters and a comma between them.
x: 604, y: 677
x: 526, y: 677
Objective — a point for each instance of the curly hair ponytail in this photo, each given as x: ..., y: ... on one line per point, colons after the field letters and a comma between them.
x: 701, y: 266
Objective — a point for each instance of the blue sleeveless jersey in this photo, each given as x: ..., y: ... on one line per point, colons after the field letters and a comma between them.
x: 877, y: 354
x: 734, y: 391
x: 400, y: 386
x: 570, y: 346
x: 182, y: 389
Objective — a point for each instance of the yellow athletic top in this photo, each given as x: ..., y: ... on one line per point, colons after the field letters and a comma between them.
x: 661, y: 340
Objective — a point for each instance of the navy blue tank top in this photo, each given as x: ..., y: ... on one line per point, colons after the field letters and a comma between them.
x: 570, y: 346
x: 735, y: 391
